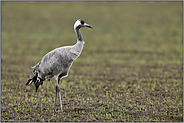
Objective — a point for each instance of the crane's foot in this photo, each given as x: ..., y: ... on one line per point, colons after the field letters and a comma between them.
x: 56, y: 111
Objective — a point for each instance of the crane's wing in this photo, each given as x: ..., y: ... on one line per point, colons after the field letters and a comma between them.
x: 53, y: 63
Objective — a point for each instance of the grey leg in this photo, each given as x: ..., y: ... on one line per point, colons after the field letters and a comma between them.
x: 58, y: 91
x: 59, y: 95
x: 60, y: 101
x: 55, y: 100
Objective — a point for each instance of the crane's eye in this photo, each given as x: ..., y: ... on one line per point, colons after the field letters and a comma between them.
x: 82, y: 22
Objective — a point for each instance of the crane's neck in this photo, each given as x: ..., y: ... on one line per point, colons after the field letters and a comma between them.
x: 79, y: 35
x: 77, y: 48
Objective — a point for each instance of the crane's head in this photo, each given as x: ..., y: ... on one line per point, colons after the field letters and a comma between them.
x: 80, y: 23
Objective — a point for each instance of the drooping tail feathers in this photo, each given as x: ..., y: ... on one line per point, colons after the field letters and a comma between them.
x: 37, y: 81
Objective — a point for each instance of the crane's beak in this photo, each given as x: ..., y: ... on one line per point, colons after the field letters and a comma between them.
x: 87, y: 25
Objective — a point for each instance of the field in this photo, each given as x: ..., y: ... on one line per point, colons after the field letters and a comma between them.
x: 131, y: 67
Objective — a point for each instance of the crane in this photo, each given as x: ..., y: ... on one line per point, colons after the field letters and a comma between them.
x: 57, y: 62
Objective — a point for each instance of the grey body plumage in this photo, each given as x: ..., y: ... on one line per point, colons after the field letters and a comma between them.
x: 57, y: 62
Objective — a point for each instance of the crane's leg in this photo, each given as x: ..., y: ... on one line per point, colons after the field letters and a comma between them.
x: 59, y: 95
x: 58, y: 91
x: 55, y: 100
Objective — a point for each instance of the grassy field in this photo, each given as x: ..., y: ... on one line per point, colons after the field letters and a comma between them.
x: 131, y: 67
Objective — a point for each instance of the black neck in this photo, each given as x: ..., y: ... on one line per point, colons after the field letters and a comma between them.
x: 79, y: 35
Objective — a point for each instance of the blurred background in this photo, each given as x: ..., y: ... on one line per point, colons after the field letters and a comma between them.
x: 34, y: 28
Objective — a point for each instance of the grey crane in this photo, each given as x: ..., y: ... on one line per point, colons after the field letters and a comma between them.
x: 57, y: 62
